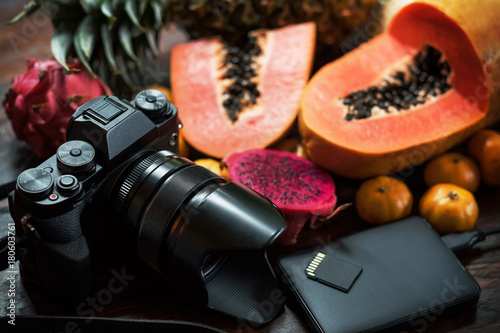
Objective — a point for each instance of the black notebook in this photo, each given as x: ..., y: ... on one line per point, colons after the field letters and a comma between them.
x: 393, y: 274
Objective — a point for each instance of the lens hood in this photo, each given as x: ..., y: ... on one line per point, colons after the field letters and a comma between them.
x: 236, y: 225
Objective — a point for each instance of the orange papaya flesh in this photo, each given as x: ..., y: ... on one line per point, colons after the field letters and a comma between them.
x: 198, y: 86
x: 364, y: 148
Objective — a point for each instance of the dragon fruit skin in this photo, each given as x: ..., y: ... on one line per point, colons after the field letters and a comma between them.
x: 299, y: 188
x: 41, y: 101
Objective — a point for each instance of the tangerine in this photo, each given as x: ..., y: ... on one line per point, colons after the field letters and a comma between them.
x: 383, y: 199
x: 453, y: 168
x: 449, y: 208
x: 484, y: 147
x: 214, y: 166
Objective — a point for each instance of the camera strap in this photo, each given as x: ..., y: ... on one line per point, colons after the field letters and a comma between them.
x: 100, y: 325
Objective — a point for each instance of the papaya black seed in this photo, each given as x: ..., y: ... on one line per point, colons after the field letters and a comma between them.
x: 239, y: 65
x: 427, y: 75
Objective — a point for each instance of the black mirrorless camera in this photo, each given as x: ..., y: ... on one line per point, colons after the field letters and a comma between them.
x: 208, y: 236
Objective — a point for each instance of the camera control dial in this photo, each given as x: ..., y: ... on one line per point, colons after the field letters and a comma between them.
x: 35, y: 183
x: 153, y: 103
x: 75, y: 156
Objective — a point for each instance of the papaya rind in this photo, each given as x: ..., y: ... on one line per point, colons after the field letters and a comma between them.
x: 352, y: 163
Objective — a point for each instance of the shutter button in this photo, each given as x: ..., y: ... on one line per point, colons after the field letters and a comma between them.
x: 67, y: 184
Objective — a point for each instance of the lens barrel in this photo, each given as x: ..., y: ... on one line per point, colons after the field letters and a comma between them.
x: 206, y: 234
x: 156, y: 186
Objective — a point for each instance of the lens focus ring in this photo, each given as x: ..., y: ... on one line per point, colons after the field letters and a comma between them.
x: 134, y: 175
x: 165, y: 204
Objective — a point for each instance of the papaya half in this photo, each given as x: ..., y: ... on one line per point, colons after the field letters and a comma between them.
x: 423, y: 85
x: 245, y: 95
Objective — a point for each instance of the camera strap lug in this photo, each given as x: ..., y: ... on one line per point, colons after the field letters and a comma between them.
x: 22, y: 242
x: 30, y: 236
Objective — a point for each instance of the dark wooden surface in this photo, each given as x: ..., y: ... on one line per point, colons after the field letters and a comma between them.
x: 148, y: 296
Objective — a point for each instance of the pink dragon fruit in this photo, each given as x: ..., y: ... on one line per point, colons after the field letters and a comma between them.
x: 41, y: 101
x: 300, y: 189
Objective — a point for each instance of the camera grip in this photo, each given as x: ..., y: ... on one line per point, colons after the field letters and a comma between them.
x: 65, y: 269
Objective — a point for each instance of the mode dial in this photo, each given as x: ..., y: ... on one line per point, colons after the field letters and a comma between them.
x: 154, y: 104
x: 35, y: 183
x: 75, y: 156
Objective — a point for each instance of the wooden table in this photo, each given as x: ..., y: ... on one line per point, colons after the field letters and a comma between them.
x: 148, y: 296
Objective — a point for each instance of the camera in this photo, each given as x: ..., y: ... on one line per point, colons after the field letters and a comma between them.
x: 207, y: 236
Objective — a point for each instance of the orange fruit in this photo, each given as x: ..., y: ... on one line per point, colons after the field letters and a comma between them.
x: 453, y: 168
x: 383, y: 199
x: 292, y: 145
x: 484, y: 147
x: 449, y: 208
x: 214, y: 166
x: 183, y: 146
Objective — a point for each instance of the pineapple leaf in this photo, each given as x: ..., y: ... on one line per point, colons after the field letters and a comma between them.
x: 107, y: 10
x: 81, y: 56
x: 125, y: 37
x: 151, y: 38
x: 142, y: 8
x: 83, y: 41
x: 131, y: 10
x: 135, y: 32
x: 102, y: 69
x: 90, y: 6
x: 108, y: 47
x: 120, y: 62
x: 29, y: 9
x: 61, y: 42
x: 85, y: 35
x: 157, y: 11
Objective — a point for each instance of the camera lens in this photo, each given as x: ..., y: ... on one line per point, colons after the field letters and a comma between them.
x: 153, y: 191
x: 209, y: 236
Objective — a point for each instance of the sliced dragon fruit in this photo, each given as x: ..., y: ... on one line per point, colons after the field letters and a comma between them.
x: 299, y: 188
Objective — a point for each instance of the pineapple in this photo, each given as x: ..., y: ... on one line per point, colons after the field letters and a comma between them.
x: 112, y: 37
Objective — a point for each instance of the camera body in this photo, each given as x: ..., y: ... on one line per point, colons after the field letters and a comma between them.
x: 102, y: 136
x: 207, y: 235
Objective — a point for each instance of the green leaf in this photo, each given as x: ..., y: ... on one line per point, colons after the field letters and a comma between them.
x: 151, y: 38
x: 135, y: 32
x: 84, y: 40
x: 29, y: 9
x: 120, y: 62
x: 142, y: 7
x: 107, y: 44
x: 84, y: 61
x: 90, y: 6
x: 85, y: 35
x: 102, y: 69
x: 133, y: 73
x: 131, y: 10
x: 61, y: 42
x: 157, y: 11
x: 125, y: 37
x: 107, y: 10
